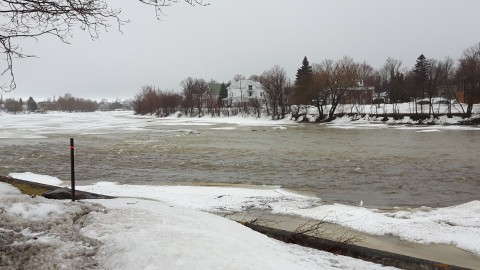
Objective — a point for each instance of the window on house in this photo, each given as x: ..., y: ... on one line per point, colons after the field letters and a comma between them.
x: 250, y: 87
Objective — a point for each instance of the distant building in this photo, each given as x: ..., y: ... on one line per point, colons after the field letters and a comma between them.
x: 213, y: 91
x: 359, y: 94
x: 117, y: 105
x: 104, y: 105
x: 47, y: 105
x: 243, y: 91
x: 468, y: 89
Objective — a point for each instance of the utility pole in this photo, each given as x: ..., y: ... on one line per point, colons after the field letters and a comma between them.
x: 72, y: 166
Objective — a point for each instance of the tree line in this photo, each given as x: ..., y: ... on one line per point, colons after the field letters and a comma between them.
x: 326, y: 83
x: 66, y: 103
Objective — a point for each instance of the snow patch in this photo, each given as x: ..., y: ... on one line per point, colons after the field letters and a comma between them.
x: 37, y: 178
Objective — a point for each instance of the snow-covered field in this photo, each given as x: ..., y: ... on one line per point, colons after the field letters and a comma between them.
x: 38, y: 233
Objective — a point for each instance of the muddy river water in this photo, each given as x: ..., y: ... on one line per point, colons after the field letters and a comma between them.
x: 381, y: 166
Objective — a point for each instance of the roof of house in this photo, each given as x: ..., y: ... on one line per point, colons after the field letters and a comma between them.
x: 244, y: 84
x: 214, y: 88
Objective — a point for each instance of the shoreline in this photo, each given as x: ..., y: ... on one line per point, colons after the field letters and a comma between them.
x: 442, y: 253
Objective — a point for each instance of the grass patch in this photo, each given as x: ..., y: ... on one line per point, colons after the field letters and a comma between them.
x: 24, y: 187
x: 29, y: 190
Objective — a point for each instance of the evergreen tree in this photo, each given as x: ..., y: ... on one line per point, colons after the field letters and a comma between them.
x: 223, y: 92
x: 421, y: 75
x: 303, y: 83
x: 31, y: 104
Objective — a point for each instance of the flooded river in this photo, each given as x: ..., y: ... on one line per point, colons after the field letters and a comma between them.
x: 379, y: 165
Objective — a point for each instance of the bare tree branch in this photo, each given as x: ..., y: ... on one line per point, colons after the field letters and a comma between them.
x: 24, y: 19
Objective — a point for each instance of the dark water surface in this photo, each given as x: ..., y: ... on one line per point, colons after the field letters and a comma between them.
x: 382, y: 167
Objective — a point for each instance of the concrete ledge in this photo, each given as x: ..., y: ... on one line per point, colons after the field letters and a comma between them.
x: 363, y: 253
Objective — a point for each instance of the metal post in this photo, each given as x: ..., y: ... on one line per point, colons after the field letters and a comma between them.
x: 72, y: 165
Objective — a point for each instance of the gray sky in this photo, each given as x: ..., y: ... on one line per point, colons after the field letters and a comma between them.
x: 241, y: 37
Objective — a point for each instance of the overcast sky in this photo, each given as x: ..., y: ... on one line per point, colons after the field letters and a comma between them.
x: 241, y: 37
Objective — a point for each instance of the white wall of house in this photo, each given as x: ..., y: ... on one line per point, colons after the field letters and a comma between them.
x: 243, y: 90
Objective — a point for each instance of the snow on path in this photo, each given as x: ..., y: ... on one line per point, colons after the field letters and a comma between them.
x: 142, y: 234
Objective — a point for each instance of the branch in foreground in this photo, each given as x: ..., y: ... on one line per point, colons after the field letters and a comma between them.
x: 24, y: 19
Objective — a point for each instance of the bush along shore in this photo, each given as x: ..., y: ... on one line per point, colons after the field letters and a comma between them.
x: 394, y: 119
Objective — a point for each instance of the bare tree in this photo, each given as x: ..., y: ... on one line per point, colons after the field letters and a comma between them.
x: 320, y: 91
x: 158, y: 102
x: 339, y: 77
x: 447, y: 75
x: 274, y: 82
x: 377, y: 80
x: 254, y: 77
x: 70, y: 103
x: 20, y: 19
x: 238, y: 77
x: 365, y: 72
x: 143, y: 102
x: 469, y: 72
x: 395, y: 82
x: 434, y: 80
x: 194, y: 90
x: 13, y: 105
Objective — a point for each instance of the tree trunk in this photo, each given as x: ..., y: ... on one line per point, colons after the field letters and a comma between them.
x: 469, y: 110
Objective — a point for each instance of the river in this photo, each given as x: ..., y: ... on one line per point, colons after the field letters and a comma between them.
x: 381, y: 165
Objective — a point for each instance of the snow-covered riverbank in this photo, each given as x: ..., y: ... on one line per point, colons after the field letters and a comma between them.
x: 38, y: 233
x: 456, y: 225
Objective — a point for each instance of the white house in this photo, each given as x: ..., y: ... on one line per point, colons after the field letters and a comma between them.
x: 242, y: 91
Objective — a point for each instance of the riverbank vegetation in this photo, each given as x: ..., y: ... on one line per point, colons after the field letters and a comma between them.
x: 332, y: 84
x: 321, y: 92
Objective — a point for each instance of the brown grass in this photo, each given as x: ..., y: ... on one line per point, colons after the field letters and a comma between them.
x: 25, y: 188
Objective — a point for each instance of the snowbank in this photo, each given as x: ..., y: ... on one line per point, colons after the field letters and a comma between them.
x: 378, y: 122
x: 213, y: 199
x: 457, y: 225
x: 37, y: 178
x: 141, y: 234
x: 367, y: 122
